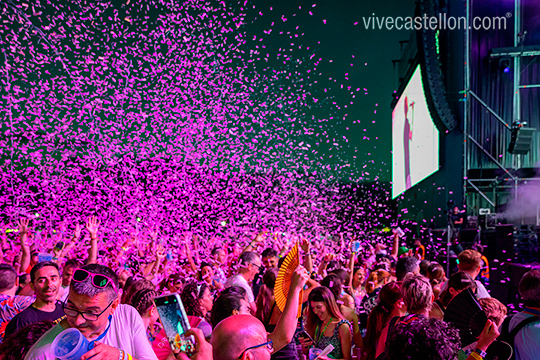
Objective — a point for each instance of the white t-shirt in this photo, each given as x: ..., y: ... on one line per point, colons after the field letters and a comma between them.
x: 126, y: 332
x: 239, y: 280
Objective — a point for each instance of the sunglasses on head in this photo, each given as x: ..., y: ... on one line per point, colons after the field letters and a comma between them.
x: 98, y: 280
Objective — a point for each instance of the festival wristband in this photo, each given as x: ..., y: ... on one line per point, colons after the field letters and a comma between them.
x: 482, y: 353
x: 476, y: 356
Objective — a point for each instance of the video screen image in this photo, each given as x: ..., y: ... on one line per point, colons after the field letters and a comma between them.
x: 415, y: 138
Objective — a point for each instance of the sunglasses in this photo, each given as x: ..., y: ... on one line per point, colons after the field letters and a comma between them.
x: 98, y: 280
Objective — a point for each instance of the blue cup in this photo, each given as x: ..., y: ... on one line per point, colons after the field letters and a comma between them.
x: 70, y: 344
x: 313, y: 353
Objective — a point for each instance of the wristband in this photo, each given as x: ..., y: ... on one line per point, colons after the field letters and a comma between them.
x: 129, y: 357
x: 476, y: 356
x: 120, y: 355
x: 482, y: 353
x: 54, y: 258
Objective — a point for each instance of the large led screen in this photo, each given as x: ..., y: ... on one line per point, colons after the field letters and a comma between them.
x: 415, y: 138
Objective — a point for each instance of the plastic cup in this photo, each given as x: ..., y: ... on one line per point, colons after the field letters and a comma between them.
x: 313, y: 353
x: 70, y: 344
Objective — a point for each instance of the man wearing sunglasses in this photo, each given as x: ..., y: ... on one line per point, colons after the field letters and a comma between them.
x: 115, y: 331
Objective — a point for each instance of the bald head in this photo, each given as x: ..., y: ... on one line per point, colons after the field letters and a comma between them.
x: 237, y: 333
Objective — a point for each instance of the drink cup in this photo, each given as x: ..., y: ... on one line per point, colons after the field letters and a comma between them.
x: 313, y: 353
x: 70, y: 344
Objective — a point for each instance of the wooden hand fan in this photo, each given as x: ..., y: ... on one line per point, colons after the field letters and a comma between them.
x: 283, y: 280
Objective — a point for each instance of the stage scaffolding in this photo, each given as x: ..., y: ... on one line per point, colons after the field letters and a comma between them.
x: 491, y: 175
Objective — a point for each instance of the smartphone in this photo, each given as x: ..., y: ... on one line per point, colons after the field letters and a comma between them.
x: 304, y: 334
x: 59, y: 246
x: 175, y: 322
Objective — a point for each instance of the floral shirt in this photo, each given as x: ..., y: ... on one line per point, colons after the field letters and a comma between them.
x: 11, y: 306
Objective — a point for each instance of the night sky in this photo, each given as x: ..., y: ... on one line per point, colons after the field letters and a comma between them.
x: 337, y: 34
x: 190, y: 113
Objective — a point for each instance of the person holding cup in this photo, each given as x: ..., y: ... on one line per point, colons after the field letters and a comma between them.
x: 113, y: 330
x: 326, y: 325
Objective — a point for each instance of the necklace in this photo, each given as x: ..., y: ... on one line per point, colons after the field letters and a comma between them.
x: 324, y: 329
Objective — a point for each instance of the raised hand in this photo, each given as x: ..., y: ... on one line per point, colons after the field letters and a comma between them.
x: 299, y: 278
x: 23, y: 226
x: 259, y: 238
x: 305, y: 244
x: 329, y: 257
x: 488, y: 335
x: 92, y: 225
x: 160, y: 252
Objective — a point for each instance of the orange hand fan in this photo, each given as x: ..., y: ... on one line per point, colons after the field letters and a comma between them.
x: 283, y: 280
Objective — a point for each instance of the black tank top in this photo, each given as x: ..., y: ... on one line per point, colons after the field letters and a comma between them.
x: 289, y: 351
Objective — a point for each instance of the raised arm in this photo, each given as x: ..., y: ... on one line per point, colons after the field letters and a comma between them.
x: 25, y: 250
x: 251, y: 246
x: 324, y: 263
x: 308, y: 262
x: 160, y: 254
x: 92, y: 226
x: 286, y: 326
x: 395, y: 245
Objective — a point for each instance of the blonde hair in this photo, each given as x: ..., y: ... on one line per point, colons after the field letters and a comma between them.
x: 417, y: 293
x: 494, y: 309
x: 375, y: 279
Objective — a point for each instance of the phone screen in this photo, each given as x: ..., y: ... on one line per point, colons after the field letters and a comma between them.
x: 175, y: 321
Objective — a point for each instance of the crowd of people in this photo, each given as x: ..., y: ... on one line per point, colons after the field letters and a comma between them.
x: 375, y: 301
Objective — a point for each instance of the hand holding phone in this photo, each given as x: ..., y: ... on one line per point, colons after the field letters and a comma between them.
x: 305, y: 335
x: 175, y: 322
x: 59, y: 246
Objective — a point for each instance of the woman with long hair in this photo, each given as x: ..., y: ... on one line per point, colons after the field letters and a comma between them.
x: 198, y: 302
x: 357, y: 285
x: 390, y: 305
x: 436, y: 275
x: 326, y: 325
x: 269, y: 313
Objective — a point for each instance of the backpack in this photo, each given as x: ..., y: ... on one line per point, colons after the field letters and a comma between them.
x: 503, y: 347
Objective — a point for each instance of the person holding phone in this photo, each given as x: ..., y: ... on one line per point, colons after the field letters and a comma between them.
x: 326, y: 325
